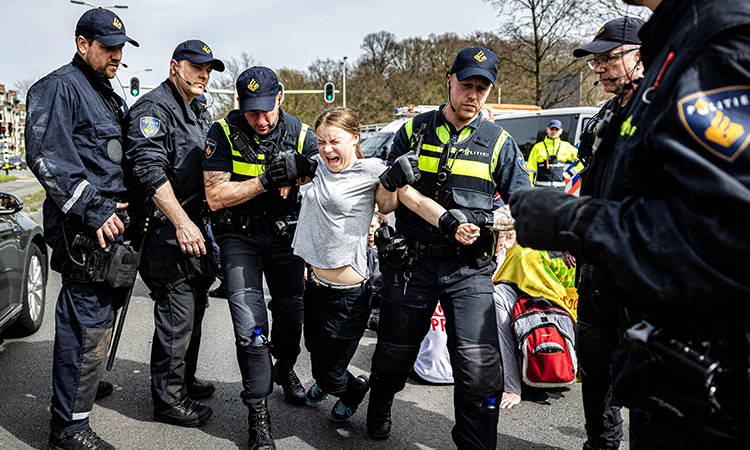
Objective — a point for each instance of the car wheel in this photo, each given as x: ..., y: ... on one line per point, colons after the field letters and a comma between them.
x: 34, y: 289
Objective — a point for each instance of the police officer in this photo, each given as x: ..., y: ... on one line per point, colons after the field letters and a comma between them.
x: 166, y: 137
x: 615, y: 58
x: 553, y: 160
x: 253, y: 225
x: 665, y: 228
x: 463, y: 160
x: 74, y: 147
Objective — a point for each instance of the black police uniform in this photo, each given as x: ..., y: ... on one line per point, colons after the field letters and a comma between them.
x: 598, y: 327
x: 255, y: 240
x: 473, y: 164
x: 665, y: 232
x: 166, y: 137
x: 74, y: 147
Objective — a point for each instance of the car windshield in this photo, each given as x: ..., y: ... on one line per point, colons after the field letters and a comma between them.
x: 372, y: 144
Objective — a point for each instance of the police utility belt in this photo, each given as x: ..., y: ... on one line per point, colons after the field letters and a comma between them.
x: 116, y: 264
x: 399, y: 251
x: 229, y: 222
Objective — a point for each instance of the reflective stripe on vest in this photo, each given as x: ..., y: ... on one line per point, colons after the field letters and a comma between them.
x: 241, y: 167
x: 429, y: 155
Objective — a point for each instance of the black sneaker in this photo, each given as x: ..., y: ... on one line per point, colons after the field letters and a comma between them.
x: 105, y: 389
x: 85, y: 440
x: 285, y: 377
x: 187, y: 413
x: 315, y: 394
x: 200, y: 389
x: 341, y: 412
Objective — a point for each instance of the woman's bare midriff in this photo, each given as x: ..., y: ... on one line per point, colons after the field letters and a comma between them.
x: 341, y: 275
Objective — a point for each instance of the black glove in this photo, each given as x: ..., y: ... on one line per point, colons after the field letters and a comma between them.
x: 289, y: 166
x: 405, y: 170
x: 267, y: 181
x: 543, y: 215
x: 453, y: 218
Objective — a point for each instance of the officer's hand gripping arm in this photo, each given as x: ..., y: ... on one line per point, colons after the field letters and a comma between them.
x: 404, y: 171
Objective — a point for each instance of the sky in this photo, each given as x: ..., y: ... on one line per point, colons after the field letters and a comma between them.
x: 38, y: 35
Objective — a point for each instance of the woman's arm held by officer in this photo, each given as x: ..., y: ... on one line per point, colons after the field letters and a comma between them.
x: 387, y: 201
x: 431, y: 211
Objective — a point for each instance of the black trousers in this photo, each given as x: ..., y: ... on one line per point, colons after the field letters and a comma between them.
x: 597, y: 336
x: 83, y: 330
x: 179, y: 307
x: 245, y: 260
x: 335, y: 320
x: 466, y: 295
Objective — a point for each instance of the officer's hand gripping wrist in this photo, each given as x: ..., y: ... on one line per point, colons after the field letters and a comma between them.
x: 405, y: 170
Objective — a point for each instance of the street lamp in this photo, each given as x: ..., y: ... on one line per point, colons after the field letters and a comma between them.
x: 79, y: 2
x: 343, y: 87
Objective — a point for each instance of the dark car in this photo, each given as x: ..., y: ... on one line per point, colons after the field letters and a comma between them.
x: 17, y: 162
x: 23, y: 269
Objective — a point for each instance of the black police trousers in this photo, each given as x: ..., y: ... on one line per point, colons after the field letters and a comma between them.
x: 335, y: 320
x: 245, y: 259
x: 466, y: 295
x: 179, y: 307
x: 83, y: 330
x: 597, y: 336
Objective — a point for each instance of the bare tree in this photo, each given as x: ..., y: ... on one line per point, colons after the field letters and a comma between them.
x: 536, y: 29
x: 22, y: 87
x: 379, y: 52
x: 222, y: 104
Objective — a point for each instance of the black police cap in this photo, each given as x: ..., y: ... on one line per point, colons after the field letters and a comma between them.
x: 475, y: 61
x: 104, y: 26
x: 197, y: 52
x: 616, y: 32
x: 257, y: 88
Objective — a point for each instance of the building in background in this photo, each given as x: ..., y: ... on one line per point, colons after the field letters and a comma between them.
x: 12, y: 123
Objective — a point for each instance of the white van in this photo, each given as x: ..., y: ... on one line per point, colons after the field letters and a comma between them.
x: 530, y: 127
x: 526, y: 127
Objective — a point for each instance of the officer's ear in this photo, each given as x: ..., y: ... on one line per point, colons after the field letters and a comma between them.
x: 279, y: 97
x: 173, y: 67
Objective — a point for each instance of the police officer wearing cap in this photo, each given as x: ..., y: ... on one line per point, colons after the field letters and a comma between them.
x: 665, y: 228
x: 166, y: 136
x: 74, y: 147
x: 615, y: 58
x: 553, y: 160
x: 254, y: 223
x: 463, y: 161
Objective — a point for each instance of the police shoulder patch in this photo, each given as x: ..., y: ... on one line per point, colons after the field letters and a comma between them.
x: 522, y: 162
x: 718, y: 119
x: 210, y: 148
x: 149, y: 126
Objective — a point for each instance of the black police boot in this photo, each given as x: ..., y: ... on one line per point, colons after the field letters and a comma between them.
x: 379, y: 418
x: 187, y: 413
x: 200, y: 389
x: 85, y: 440
x: 105, y: 389
x: 259, y: 427
x: 285, y: 377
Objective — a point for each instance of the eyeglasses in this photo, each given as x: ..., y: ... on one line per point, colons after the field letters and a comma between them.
x: 593, y: 62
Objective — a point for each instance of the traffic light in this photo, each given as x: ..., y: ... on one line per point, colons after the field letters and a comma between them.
x: 2, y: 131
x: 135, y: 86
x: 328, y: 92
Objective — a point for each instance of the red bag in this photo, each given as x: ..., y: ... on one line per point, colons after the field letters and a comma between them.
x: 546, y: 342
